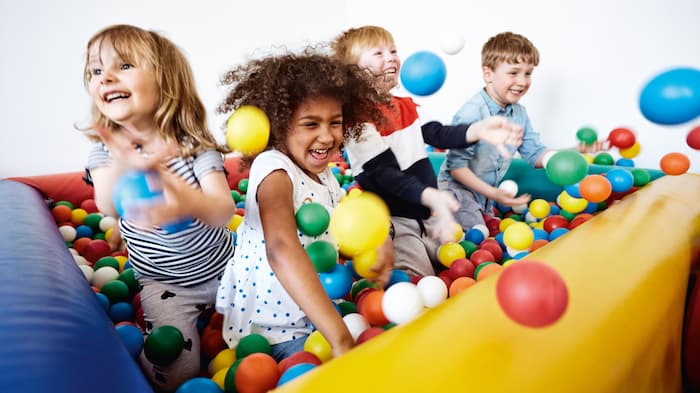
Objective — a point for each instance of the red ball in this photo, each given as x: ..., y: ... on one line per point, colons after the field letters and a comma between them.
x: 493, y: 247
x: 579, y: 219
x: 553, y: 222
x: 693, y: 138
x: 296, y: 358
x: 480, y: 256
x: 445, y: 277
x: 257, y: 373
x: 493, y: 224
x: 461, y: 267
x: 89, y: 206
x: 532, y: 293
x: 216, y: 320
x: 368, y: 334
x: 212, y: 342
x: 96, y: 249
x: 622, y: 138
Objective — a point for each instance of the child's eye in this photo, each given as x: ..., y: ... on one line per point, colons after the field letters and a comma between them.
x: 96, y: 71
x: 126, y: 66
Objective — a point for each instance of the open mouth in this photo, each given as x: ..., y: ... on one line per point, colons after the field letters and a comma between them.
x: 320, y: 154
x: 113, y: 96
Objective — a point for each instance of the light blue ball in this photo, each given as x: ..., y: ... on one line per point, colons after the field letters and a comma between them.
x: 199, y: 385
x: 423, y: 73
x: 672, y: 97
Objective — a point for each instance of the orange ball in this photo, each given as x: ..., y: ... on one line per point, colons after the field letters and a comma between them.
x: 537, y: 244
x: 595, y: 188
x: 675, y: 164
x: 488, y: 270
x: 257, y: 373
x: 460, y: 284
x: 370, y: 306
x: 61, y: 213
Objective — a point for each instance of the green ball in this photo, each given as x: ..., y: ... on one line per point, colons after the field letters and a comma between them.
x: 129, y: 278
x: 361, y: 284
x: 116, y: 291
x: 481, y: 266
x: 93, y: 220
x: 347, y: 307
x: 106, y: 261
x: 163, y: 345
x: 603, y: 158
x: 243, y: 185
x: 252, y: 343
x: 566, y: 214
x: 66, y: 203
x: 587, y: 135
x: 468, y: 246
x: 323, y: 255
x: 230, y: 378
x: 312, y: 219
x: 641, y: 177
x: 566, y: 167
x: 99, y: 236
x: 236, y: 196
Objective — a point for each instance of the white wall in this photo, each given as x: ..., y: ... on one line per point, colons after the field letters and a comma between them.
x: 595, y: 58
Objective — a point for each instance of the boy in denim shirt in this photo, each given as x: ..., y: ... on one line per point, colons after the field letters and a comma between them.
x: 473, y: 173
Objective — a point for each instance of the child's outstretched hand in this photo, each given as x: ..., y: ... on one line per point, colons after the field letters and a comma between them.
x: 594, y: 147
x: 385, y: 262
x: 443, y: 205
x: 498, y: 131
x: 505, y: 198
x: 130, y: 151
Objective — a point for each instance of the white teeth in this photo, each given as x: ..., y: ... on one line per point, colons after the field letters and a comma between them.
x: 113, y: 96
x: 317, y: 151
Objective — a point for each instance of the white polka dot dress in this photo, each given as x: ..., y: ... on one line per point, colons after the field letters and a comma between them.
x: 250, y: 297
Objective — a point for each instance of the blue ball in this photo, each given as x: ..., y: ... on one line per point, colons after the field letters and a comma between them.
x: 398, y: 276
x: 83, y: 231
x: 139, y: 189
x: 591, y: 208
x: 423, y: 73
x: 104, y: 300
x: 295, y: 371
x: 132, y: 338
x: 540, y: 234
x: 626, y: 162
x: 672, y: 97
x: 557, y: 232
x: 199, y: 385
x: 121, y: 311
x: 475, y: 236
x: 620, y: 179
x: 337, y: 282
x: 573, y: 190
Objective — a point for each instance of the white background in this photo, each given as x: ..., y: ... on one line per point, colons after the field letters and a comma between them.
x: 596, y: 56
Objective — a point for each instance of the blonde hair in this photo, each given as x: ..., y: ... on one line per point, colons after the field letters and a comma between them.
x: 508, y: 47
x: 348, y: 46
x: 180, y: 116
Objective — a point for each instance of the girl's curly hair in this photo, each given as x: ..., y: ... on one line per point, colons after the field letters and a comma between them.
x: 279, y: 84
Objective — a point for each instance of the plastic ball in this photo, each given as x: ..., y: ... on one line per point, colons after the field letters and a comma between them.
x: 622, y: 138
x: 595, y: 188
x: 61, y: 213
x: 104, y: 275
x: 641, y: 176
x: 223, y: 359
x: 356, y: 324
x: 432, y: 290
x: 573, y: 190
x: 337, y: 282
x: 294, y: 372
x: 631, y: 152
x: 163, y: 345
x: 555, y: 221
x: 571, y: 204
x: 539, y: 208
x: 297, y: 358
x: 423, y: 73
x: 557, y: 233
x: 674, y: 164
x: 587, y: 135
x: 312, y: 219
x: 626, y: 162
x: 603, y: 158
x: 369, y: 334
x: 247, y: 130
x: 364, y: 263
x: 132, y: 338
x: 518, y: 235
x: 532, y: 294
x: 370, y: 306
x: 234, y: 222
x: 106, y: 223
x: 460, y: 284
x: 566, y: 167
x: 509, y: 186
x: 398, y: 276
x: 693, y: 138
x: 621, y: 180
x: 257, y: 373
x: 449, y: 252
x: 323, y: 255
x: 316, y: 344
x: 452, y: 43
x: 402, y: 302
x: 672, y: 97
x: 199, y: 385
x: 482, y: 256
x: 360, y: 223
x: 252, y: 343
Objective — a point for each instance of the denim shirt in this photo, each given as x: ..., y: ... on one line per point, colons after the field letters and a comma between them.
x: 483, y: 158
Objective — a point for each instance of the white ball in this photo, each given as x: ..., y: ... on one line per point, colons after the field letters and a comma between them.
x: 347, y: 172
x: 452, y: 43
x: 356, y: 324
x: 509, y: 186
x: 87, y: 272
x: 547, y: 156
x: 80, y: 260
x: 107, y: 222
x: 103, y: 275
x: 529, y: 218
x: 402, y: 302
x: 73, y: 251
x: 514, y: 251
x: 519, y: 208
x: 433, y: 290
x: 68, y: 232
x: 483, y: 230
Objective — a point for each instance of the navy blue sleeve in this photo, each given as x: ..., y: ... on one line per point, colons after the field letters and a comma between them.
x: 445, y: 137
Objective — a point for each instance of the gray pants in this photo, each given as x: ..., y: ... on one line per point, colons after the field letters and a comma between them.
x: 470, y: 212
x: 167, y: 304
x: 415, y: 252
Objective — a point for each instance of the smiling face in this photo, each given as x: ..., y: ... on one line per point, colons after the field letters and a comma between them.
x: 382, y: 60
x: 315, y: 134
x: 508, y: 82
x: 125, y: 92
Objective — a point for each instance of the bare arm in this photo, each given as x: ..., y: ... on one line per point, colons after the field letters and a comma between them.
x: 471, y: 181
x: 292, y: 265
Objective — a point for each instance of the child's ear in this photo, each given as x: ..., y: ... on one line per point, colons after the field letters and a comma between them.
x: 487, y: 73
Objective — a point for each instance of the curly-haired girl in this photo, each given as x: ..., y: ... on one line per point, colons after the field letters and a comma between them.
x: 270, y: 286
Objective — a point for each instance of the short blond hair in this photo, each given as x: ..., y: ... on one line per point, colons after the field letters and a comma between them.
x: 508, y: 47
x: 348, y: 46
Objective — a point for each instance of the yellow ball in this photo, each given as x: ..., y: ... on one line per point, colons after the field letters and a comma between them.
x: 318, y: 345
x: 589, y: 158
x: 248, y: 130
x: 518, y: 235
x: 632, y: 151
x: 122, y: 261
x: 223, y: 360
x: 539, y: 208
x: 571, y: 204
x: 235, y: 222
x: 220, y: 378
x: 364, y: 262
x: 449, y: 252
x: 505, y: 223
x: 359, y: 223
x: 458, y: 233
